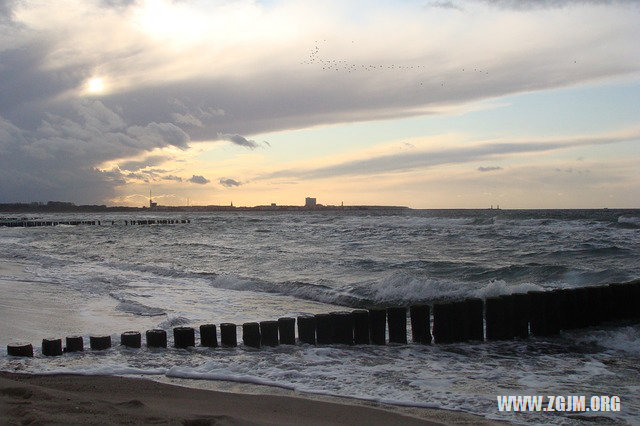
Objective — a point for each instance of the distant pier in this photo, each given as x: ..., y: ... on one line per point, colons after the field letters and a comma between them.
x: 35, y: 222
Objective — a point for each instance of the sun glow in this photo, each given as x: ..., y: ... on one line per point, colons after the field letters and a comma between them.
x: 95, y: 85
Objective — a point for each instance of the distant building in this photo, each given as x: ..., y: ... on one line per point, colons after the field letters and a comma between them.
x: 309, y: 202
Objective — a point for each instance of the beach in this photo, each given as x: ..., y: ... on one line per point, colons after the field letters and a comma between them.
x: 63, y: 281
x: 64, y: 399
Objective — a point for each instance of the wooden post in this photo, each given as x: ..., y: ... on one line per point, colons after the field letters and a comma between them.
x: 208, y: 335
x: 420, y: 324
x: 360, y: 326
x: 521, y: 303
x: 342, y: 324
x: 397, y: 318
x: 99, y: 343
x: 131, y: 339
x: 287, y: 330
x: 251, y: 334
x: 307, y: 329
x: 495, y: 318
x: 269, y: 333
x: 156, y: 338
x: 442, y: 323
x: 324, y: 329
x: 20, y: 349
x: 228, y: 335
x: 184, y: 337
x: 74, y: 344
x: 475, y: 317
x: 51, y: 347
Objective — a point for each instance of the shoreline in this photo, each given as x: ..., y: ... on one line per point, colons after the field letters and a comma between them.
x: 111, y: 399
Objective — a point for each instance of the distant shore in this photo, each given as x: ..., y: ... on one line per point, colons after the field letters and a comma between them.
x: 66, y: 399
x: 64, y: 207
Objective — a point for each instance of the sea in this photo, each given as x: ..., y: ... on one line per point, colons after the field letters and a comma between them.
x: 241, y: 266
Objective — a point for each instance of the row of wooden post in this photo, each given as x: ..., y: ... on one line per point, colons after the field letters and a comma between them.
x: 36, y: 223
x: 503, y: 318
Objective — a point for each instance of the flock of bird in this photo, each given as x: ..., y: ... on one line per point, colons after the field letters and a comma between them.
x: 342, y: 65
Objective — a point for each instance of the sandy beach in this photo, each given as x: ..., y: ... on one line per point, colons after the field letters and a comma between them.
x: 34, y: 399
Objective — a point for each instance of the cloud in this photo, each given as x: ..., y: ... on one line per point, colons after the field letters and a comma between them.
x: 444, y: 4
x: 157, y: 135
x: 200, y: 180
x: 489, y: 168
x: 173, y: 178
x: 135, y: 165
x: 60, y: 158
x: 161, y: 89
x: 229, y: 182
x: 541, y: 4
x: 238, y: 140
x: 413, y: 160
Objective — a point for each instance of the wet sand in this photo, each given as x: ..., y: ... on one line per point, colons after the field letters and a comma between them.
x: 65, y: 399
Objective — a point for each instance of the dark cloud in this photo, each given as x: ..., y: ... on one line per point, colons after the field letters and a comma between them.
x: 489, y: 168
x: 238, y: 140
x: 229, y: 182
x: 59, y: 158
x: 413, y: 160
x: 201, y: 180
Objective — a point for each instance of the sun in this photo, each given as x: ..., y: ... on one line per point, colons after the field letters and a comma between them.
x: 95, y: 85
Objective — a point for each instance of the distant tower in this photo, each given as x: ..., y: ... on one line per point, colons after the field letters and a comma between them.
x: 310, y: 202
x: 151, y: 203
x: 232, y: 204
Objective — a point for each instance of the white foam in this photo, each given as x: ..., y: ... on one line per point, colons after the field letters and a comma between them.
x: 500, y: 287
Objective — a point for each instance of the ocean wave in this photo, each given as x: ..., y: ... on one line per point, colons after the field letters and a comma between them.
x: 629, y: 222
x: 173, y: 322
x: 529, y: 271
x: 136, y: 308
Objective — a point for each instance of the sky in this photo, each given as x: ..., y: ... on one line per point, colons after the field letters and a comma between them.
x: 426, y: 104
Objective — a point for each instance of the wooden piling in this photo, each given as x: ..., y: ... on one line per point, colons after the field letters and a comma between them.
x: 208, y: 336
x: 269, y: 333
x: 324, y: 329
x: 251, y: 334
x: 360, y: 319
x: 342, y: 324
x: 495, y: 314
x: 475, y: 319
x: 521, y: 302
x: 420, y: 324
x: 52, y: 347
x: 184, y: 337
x: 74, y: 344
x: 459, y: 321
x: 228, y: 335
x: 442, y: 323
x: 99, y: 343
x: 20, y: 349
x: 131, y: 339
x: 397, y: 319
x: 156, y: 338
x: 509, y: 320
x: 378, y: 326
x: 287, y: 330
x: 307, y: 329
